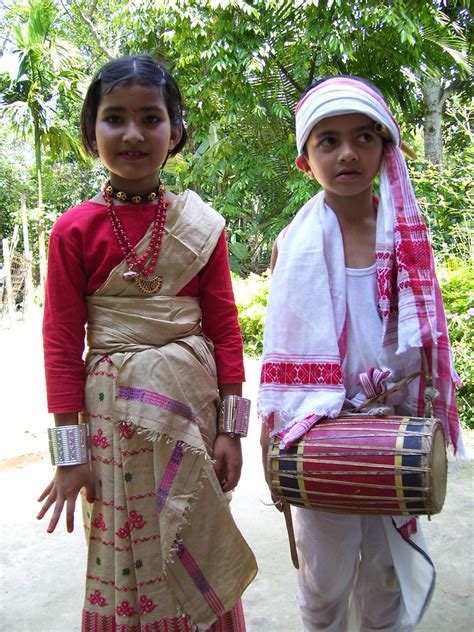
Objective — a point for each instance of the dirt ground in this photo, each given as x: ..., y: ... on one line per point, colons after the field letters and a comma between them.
x: 42, y: 575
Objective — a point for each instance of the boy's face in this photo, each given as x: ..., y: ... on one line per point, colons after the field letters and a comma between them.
x: 343, y: 154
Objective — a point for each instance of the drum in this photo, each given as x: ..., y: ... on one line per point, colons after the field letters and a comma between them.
x: 361, y: 464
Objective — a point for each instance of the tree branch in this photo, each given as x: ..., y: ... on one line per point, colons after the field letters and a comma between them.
x: 92, y: 8
x: 311, y: 73
x: 284, y: 71
x: 87, y: 19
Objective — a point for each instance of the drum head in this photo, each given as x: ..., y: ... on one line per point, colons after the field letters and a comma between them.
x: 439, y: 469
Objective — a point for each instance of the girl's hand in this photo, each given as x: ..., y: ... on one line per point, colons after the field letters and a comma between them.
x: 227, y: 456
x: 64, y: 488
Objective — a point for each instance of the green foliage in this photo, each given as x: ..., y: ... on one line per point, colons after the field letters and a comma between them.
x: 64, y: 185
x: 241, y: 70
x: 458, y: 132
x: 446, y: 200
x: 15, y: 172
x: 251, y: 298
x: 457, y: 285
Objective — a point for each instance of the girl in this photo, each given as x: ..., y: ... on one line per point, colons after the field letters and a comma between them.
x: 148, y: 273
x: 354, y: 303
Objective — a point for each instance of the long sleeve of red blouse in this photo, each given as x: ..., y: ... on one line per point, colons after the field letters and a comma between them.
x: 65, y: 316
x: 219, y: 315
x: 80, y: 257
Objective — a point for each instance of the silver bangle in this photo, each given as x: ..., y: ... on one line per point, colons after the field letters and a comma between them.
x: 234, y: 416
x: 69, y: 445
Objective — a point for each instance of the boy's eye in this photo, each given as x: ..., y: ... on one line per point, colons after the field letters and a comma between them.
x: 366, y: 137
x: 328, y: 141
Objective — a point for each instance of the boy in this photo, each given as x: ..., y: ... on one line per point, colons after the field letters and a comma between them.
x: 354, y: 301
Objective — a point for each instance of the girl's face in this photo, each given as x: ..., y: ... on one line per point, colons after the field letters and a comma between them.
x: 343, y: 153
x: 133, y: 135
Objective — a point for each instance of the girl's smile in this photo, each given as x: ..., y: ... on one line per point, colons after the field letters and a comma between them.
x: 132, y: 155
x: 133, y: 135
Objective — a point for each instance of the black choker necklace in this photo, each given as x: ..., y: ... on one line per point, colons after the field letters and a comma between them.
x: 136, y: 198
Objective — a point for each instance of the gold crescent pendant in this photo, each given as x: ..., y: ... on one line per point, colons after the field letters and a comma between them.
x: 149, y: 286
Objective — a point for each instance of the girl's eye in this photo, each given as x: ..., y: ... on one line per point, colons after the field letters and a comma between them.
x: 113, y: 119
x: 152, y: 119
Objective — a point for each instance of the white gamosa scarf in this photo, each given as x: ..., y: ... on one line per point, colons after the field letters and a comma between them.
x: 304, y: 352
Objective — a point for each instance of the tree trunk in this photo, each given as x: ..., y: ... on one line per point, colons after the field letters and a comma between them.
x: 41, y: 231
x: 435, y: 95
x: 28, y: 290
x: 7, y: 295
x: 41, y: 237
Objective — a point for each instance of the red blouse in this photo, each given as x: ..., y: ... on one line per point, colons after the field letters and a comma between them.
x: 82, y: 253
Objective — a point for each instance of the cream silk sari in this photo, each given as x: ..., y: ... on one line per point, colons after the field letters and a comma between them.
x: 164, y: 551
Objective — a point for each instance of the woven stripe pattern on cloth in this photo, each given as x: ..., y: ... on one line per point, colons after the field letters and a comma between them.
x: 126, y: 587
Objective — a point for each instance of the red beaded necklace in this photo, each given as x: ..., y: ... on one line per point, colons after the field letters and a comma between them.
x: 138, y: 268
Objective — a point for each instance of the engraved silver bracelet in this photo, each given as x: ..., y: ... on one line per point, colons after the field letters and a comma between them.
x: 234, y: 416
x: 69, y: 445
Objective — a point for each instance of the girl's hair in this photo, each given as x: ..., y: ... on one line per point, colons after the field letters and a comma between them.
x: 131, y: 70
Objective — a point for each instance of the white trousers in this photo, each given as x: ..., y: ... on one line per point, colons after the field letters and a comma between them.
x: 347, y: 581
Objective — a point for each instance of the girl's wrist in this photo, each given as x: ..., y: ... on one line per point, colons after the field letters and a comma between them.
x: 69, y: 444
x: 66, y: 419
x: 234, y: 416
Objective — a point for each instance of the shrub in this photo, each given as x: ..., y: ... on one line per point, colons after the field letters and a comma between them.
x: 447, y: 204
x: 457, y: 285
x: 251, y: 298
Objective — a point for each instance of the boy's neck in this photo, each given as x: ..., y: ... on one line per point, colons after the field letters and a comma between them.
x: 352, y: 209
x: 356, y: 215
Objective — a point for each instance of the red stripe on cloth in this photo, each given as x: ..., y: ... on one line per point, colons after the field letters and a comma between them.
x: 372, y: 381
x: 156, y: 399
x: 408, y: 529
x: 412, y: 248
x: 300, y: 373
x: 96, y: 622
x: 198, y: 577
x: 169, y: 475
x: 232, y: 621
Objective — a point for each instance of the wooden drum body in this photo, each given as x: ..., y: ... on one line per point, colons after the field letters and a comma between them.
x: 360, y: 464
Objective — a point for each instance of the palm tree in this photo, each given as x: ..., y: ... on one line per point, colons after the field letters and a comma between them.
x: 46, y: 74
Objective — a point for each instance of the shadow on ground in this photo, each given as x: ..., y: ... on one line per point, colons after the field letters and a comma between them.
x: 42, y: 575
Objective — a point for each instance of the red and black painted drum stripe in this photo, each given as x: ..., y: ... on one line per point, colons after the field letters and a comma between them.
x: 362, y: 464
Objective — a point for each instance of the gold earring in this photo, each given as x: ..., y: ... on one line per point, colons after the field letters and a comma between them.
x: 382, y: 131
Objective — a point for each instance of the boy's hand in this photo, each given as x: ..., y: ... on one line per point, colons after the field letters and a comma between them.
x: 227, y: 454
x: 265, y: 442
x: 64, y: 488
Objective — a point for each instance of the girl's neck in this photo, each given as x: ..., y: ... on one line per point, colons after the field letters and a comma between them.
x: 135, y: 187
x: 99, y: 199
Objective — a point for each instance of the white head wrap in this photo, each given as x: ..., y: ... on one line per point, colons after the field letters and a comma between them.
x: 342, y: 95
